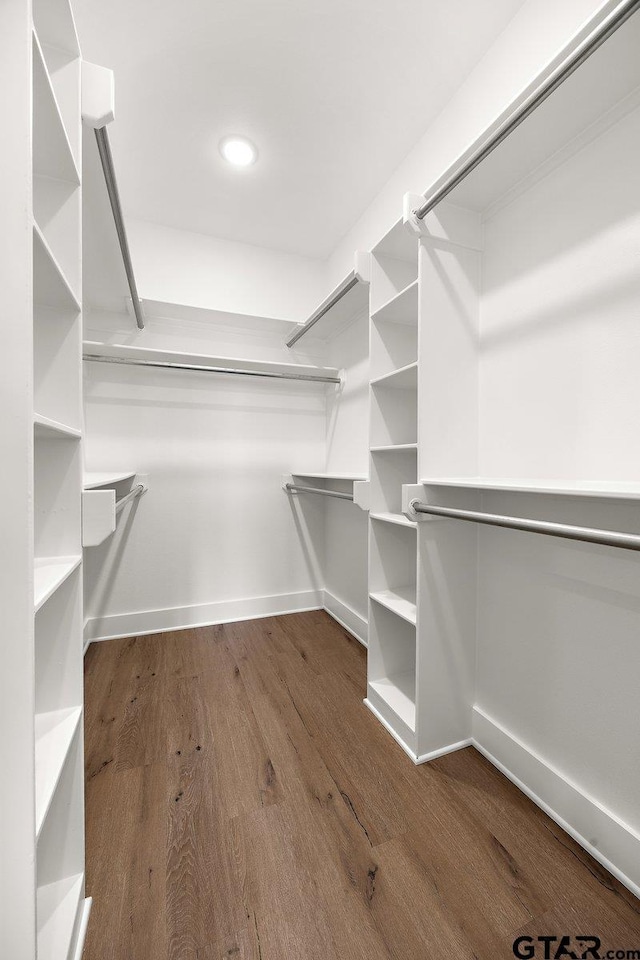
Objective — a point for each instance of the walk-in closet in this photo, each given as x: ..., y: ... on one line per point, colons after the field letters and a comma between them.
x: 320, y: 588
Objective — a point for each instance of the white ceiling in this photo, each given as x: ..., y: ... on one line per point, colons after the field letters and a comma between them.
x: 333, y: 92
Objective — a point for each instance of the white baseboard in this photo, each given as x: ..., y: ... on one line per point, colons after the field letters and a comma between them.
x: 443, y: 751
x: 83, y: 923
x: 200, y: 615
x: 605, y: 836
x: 347, y: 617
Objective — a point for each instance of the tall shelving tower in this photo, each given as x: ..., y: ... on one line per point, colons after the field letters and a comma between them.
x: 44, y: 911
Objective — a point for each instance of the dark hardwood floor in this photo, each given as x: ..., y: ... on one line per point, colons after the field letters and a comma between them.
x: 243, y: 804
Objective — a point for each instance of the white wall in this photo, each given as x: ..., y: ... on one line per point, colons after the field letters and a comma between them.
x: 215, y: 526
x: 558, y: 622
x: 190, y: 268
x: 532, y: 39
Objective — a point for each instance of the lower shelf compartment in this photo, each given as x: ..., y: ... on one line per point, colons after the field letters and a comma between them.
x: 55, y: 732
x: 399, y: 692
x: 59, y: 906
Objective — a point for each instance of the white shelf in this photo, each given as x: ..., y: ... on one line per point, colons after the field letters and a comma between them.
x: 404, y: 378
x: 52, y: 153
x: 400, y: 600
x: 329, y: 476
x: 398, y: 518
x: 386, y: 448
x: 398, y: 692
x: 47, y: 429
x: 49, y: 574
x: 54, y: 735
x: 402, y: 308
x: 58, y: 908
x: 399, y: 303
x: 614, y: 489
x: 50, y: 286
x: 227, y: 363
x: 93, y: 480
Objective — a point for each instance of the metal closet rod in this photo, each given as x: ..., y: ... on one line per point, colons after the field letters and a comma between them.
x: 535, y: 99
x: 106, y: 158
x: 608, y: 538
x: 123, y: 501
x: 347, y: 284
x: 95, y: 358
x: 294, y: 488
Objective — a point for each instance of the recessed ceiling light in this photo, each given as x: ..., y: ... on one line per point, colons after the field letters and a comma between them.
x: 238, y: 151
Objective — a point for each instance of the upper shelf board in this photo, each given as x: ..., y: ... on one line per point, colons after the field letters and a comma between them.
x: 200, y: 359
x: 602, y: 90
x: 329, y: 476
x: 614, y: 489
x: 93, y: 480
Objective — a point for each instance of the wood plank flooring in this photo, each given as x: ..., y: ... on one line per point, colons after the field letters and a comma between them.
x: 243, y: 804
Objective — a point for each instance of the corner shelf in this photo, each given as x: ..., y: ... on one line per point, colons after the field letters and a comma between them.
x: 400, y: 600
x: 52, y: 152
x: 613, y: 489
x: 55, y: 732
x: 47, y: 429
x: 49, y: 574
x: 58, y: 910
x: 50, y: 286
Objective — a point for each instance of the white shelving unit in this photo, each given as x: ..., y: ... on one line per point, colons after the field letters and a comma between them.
x: 391, y: 683
x: 43, y: 902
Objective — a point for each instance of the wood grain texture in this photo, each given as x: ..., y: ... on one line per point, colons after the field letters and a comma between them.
x: 242, y: 804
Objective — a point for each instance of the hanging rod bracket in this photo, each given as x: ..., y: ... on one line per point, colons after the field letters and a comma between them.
x: 410, y: 202
x: 413, y: 493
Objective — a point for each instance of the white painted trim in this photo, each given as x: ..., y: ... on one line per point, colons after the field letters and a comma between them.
x: 580, y: 815
x: 200, y: 615
x: 85, y: 911
x: 347, y: 617
x: 443, y: 751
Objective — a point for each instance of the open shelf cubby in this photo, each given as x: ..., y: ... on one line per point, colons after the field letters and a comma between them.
x: 392, y: 346
x: 392, y: 569
x: 394, y: 414
x: 392, y: 665
x: 390, y: 469
x: 60, y: 857
x: 56, y: 368
x: 57, y: 500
